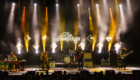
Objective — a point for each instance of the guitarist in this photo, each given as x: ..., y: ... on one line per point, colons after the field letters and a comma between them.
x: 123, y: 54
x: 44, y: 59
x: 79, y: 56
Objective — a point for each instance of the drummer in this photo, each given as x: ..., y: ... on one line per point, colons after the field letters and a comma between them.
x: 71, y: 52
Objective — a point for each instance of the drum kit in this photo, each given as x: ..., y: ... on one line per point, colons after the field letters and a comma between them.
x: 67, y: 59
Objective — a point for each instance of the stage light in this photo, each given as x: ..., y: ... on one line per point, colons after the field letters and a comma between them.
x: 13, y: 4
x: 45, y: 38
x: 78, y: 5
x: 57, y: 5
x: 53, y: 46
x: 36, y: 46
x: 108, y: 38
x: 90, y: 38
x: 117, y: 47
x: 97, y: 5
x: 82, y: 46
x: 120, y: 5
x: 27, y: 38
x: 100, y: 45
x: 19, y: 46
x: 35, y: 4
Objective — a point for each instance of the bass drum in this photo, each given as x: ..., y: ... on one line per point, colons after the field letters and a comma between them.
x: 67, y: 60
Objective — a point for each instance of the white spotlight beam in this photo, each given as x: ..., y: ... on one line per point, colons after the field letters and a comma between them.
x: 57, y: 4
x: 100, y: 46
x: 11, y: 19
x: 78, y: 5
x: 53, y: 46
x: 129, y: 10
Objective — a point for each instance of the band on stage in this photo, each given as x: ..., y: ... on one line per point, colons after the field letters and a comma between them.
x: 75, y: 56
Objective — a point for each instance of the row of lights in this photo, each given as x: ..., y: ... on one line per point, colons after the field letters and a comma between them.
x: 77, y: 4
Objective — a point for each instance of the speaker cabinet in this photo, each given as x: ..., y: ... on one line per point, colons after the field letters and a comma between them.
x: 88, y: 63
x: 113, y: 59
x: 88, y: 55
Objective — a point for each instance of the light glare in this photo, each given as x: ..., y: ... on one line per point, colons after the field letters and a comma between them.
x: 78, y: 5
x: 35, y: 4
x: 100, y: 45
x: 13, y: 4
x: 56, y: 4
x: 97, y: 5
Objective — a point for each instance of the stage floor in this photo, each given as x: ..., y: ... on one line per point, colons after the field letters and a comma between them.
x: 75, y: 70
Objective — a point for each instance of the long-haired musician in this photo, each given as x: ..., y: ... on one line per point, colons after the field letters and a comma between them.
x: 123, y: 55
x: 79, y: 56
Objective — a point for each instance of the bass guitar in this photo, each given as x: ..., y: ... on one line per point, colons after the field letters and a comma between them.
x: 123, y: 56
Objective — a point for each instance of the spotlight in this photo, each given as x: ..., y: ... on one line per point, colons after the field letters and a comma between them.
x: 82, y: 46
x: 78, y: 5
x: 35, y: 4
x: 53, y: 46
x: 97, y: 5
x: 19, y: 46
x: 56, y: 4
x: 108, y: 38
x: 27, y: 38
x: 13, y: 4
x: 100, y: 45
x: 120, y: 5
x: 117, y: 46
x: 36, y: 47
x: 45, y: 38
x: 90, y: 38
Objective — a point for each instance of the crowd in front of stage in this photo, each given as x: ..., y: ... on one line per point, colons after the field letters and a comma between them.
x: 83, y: 75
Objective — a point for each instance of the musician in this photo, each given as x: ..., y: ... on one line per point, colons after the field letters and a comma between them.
x: 44, y: 59
x: 80, y: 56
x: 71, y: 52
x: 122, y: 53
x: 12, y: 57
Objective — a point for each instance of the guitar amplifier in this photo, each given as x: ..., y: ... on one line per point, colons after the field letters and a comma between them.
x: 88, y: 55
x: 88, y: 63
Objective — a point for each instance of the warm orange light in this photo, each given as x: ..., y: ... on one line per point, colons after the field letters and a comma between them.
x: 112, y: 30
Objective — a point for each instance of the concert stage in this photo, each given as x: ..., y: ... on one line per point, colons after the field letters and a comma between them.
x: 74, y: 70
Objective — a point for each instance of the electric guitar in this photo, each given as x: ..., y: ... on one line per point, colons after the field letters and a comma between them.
x: 45, y: 59
x: 123, y: 56
x: 79, y: 56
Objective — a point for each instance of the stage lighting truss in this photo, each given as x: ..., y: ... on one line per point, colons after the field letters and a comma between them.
x: 45, y: 38
x: 90, y: 38
x: 108, y: 38
x: 27, y: 38
x: 66, y: 36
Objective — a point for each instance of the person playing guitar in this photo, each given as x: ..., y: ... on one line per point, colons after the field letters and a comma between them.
x: 44, y: 59
x: 123, y: 54
x: 79, y: 56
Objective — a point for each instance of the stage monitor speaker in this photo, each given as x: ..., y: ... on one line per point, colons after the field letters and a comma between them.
x: 136, y: 71
x: 113, y: 59
x: 88, y: 55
